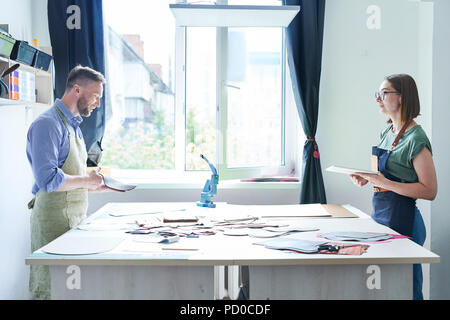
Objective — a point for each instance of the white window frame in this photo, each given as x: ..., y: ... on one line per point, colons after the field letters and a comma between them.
x: 289, y: 127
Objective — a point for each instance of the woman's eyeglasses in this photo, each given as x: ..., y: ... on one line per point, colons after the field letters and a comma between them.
x: 380, y: 94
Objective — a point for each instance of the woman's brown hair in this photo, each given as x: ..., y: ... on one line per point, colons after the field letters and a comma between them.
x: 406, y: 86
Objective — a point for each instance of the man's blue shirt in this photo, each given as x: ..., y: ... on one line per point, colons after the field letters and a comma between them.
x: 48, y: 146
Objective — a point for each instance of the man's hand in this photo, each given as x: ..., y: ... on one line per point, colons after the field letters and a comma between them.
x: 93, y: 179
x: 104, y: 188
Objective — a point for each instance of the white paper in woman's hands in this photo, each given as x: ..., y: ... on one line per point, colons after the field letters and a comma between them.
x: 345, y: 170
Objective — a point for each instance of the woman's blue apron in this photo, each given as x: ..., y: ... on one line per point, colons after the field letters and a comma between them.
x: 400, y: 214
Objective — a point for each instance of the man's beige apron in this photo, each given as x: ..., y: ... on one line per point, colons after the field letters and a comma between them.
x: 55, y: 213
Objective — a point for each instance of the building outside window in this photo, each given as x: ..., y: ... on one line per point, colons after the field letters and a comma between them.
x: 174, y: 93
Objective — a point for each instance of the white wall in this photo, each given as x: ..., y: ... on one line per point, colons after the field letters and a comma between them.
x: 413, y: 39
x: 440, y: 217
x: 16, y: 178
x: 17, y: 15
x: 14, y: 224
x: 15, y: 192
x: 27, y: 19
x: 39, y: 20
x: 355, y: 61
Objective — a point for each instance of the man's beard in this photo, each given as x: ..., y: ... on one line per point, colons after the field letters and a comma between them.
x: 83, y: 107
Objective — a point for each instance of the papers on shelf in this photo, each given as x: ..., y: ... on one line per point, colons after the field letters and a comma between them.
x: 345, y: 170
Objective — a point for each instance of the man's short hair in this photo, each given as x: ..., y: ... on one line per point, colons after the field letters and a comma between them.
x: 83, y: 76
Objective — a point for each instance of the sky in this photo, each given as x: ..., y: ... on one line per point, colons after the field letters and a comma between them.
x: 152, y: 19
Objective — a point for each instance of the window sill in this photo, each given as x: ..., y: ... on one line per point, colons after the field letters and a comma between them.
x: 190, y: 180
x: 229, y: 184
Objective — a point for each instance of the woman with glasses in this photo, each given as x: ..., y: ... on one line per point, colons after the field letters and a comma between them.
x: 404, y: 163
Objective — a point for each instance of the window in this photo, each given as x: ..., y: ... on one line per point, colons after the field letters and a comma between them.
x: 200, y: 97
x: 139, y: 132
x: 174, y: 93
x: 254, y: 93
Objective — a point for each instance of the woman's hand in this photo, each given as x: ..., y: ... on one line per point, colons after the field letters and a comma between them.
x: 378, y: 180
x: 359, y: 181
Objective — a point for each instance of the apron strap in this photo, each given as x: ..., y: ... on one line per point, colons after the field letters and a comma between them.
x: 63, y: 118
x: 31, y: 203
x: 374, y: 158
x: 374, y: 162
x: 400, y: 134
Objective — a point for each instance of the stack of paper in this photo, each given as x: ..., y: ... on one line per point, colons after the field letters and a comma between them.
x: 356, y: 236
x: 346, y: 170
x: 305, y: 246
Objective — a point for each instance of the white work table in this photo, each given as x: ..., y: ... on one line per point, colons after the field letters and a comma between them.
x: 134, y: 269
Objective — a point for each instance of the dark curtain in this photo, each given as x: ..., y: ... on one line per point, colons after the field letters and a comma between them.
x: 304, y: 47
x: 76, y: 34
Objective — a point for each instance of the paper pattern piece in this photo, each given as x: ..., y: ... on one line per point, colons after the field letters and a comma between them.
x: 111, y: 224
x: 268, y: 232
x: 346, y: 170
x: 294, y: 210
x: 339, y: 211
x: 122, y: 209
x: 274, y: 211
x: 82, y: 244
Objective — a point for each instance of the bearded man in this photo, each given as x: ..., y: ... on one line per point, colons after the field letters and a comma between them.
x: 57, y: 155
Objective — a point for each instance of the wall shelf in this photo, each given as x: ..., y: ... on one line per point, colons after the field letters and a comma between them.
x: 43, y: 82
x: 9, y: 102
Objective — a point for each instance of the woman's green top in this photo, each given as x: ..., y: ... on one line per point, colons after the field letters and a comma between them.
x: 400, y: 162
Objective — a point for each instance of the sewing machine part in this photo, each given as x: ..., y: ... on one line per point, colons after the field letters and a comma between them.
x: 210, y: 188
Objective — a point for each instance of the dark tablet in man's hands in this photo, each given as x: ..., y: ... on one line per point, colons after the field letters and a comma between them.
x: 116, y: 185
